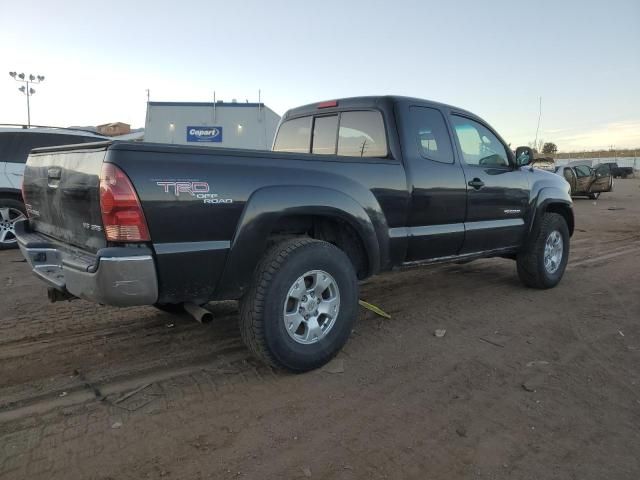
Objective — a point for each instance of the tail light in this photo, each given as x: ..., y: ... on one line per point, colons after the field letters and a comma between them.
x: 122, y: 215
x: 24, y: 198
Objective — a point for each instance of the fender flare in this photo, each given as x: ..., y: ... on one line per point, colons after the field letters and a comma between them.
x: 547, y: 197
x: 267, y: 205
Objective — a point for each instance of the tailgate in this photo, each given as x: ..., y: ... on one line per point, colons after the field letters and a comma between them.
x: 62, y: 194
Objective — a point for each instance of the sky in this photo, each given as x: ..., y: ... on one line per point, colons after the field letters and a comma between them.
x: 494, y: 58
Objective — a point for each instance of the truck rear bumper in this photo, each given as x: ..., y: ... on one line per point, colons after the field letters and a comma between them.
x: 122, y: 277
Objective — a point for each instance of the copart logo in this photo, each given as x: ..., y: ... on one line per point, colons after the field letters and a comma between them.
x: 204, y: 134
x: 199, y: 190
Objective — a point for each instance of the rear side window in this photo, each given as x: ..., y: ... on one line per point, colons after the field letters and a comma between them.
x: 431, y: 134
x: 362, y: 134
x: 324, y: 135
x: 294, y: 136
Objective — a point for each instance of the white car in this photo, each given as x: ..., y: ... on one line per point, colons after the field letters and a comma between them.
x: 15, y: 145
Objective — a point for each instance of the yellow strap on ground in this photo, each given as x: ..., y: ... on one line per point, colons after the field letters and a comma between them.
x: 374, y: 309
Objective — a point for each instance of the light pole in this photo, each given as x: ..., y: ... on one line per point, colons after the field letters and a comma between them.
x: 26, y: 88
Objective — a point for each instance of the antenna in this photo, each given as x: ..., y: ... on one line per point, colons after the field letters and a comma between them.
x: 535, y: 143
x: 148, y: 120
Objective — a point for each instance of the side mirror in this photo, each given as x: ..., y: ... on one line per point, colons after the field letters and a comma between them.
x: 524, y: 156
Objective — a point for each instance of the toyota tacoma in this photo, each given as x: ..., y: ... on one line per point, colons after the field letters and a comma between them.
x: 352, y: 187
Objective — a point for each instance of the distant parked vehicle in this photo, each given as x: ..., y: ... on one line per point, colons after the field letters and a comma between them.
x: 615, y: 171
x: 544, y: 163
x: 15, y: 145
x: 586, y: 181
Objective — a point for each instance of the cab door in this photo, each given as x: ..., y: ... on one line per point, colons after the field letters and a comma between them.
x: 497, y: 191
x: 603, y: 180
x: 435, y: 224
x: 584, y: 178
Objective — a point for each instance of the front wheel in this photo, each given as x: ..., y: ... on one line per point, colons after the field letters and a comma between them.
x: 301, y: 306
x: 544, y: 261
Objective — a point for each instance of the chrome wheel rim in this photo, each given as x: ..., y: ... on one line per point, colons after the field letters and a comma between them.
x: 311, y: 307
x: 8, y: 218
x: 553, y: 250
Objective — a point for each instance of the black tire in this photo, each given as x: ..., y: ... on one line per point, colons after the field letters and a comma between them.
x: 531, y: 267
x: 7, y: 233
x: 262, y: 323
x: 170, y: 307
x: 594, y: 196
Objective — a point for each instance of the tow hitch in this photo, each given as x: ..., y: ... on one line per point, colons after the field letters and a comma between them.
x: 56, y: 295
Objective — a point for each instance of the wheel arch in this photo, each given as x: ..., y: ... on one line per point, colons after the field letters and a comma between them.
x: 274, y: 213
x: 555, y: 200
x: 566, y: 211
x: 11, y: 193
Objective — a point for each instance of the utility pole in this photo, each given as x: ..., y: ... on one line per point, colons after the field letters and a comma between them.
x: 148, y: 119
x: 26, y: 88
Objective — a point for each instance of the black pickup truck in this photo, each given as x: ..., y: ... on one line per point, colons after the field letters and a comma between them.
x: 353, y: 187
x: 615, y: 170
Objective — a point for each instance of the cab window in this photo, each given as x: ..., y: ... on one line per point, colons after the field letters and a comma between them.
x: 362, y: 134
x: 583, y: 171
x: 324, y: 135
x: 479, y: 146
x: 294, y: 136
x: 358, y: 133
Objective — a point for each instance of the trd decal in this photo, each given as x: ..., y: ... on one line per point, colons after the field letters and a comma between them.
x: 184, y: 187
x: 197, y: 189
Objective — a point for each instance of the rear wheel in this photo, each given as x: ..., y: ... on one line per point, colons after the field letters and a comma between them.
x: 545, y: 260
x: 11, y: 211
x: 301, y: 305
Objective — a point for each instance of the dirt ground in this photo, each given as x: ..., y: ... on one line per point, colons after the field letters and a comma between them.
x: 525, y: 384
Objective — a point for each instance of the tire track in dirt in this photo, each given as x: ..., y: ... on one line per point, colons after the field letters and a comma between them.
x: 111, y: 352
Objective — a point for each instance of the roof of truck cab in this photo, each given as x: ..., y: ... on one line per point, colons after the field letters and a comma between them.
x: 373, y: 101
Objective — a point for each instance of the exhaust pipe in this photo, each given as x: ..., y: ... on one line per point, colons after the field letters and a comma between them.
x: 198, y: 313
x: 56, y: 295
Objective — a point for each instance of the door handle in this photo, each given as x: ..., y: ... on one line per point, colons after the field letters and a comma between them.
x: 476, y: 183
